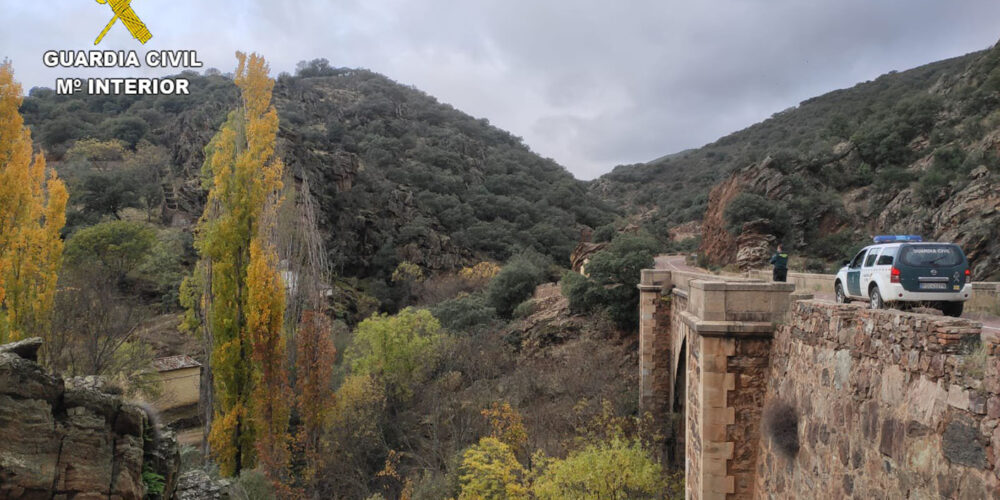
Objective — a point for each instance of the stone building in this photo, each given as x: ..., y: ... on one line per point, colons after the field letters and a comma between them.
x: 181, y: 378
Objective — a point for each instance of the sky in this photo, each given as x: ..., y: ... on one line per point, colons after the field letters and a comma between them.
x: 591, y: 84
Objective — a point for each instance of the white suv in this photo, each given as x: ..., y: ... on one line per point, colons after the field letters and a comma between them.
x: 906, y: 269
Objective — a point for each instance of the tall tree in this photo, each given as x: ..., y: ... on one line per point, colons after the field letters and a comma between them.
x: 242, y: 300
x: 32, y: 213
x: 309, y: 331
x: 314, y: 392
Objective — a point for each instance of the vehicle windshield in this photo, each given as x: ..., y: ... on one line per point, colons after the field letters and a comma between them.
x: 931, y: 255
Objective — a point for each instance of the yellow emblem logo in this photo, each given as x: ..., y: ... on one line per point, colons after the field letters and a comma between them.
x: 124, y: 11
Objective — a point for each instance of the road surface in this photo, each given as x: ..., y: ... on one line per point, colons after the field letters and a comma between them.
x: 991, y: 324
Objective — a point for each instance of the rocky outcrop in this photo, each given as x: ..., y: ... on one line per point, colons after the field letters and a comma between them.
x: 754, y: 245
x: 685, y: 231
x: 722, y: 248
x: 717, y: 245
x: 583, y: 252
x: 198, y: 485
x: 73, y: 442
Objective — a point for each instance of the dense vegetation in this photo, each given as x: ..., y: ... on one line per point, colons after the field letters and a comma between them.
x: 415, y: 236
x: 396, y: 175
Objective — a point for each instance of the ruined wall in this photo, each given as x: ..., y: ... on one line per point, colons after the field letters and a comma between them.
x: 889, y: 405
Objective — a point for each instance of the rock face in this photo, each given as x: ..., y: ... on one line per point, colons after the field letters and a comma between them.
x: 197, y: 485
x: 717, y: 244
x: 583, y: 252
x: 79, y: 443
x: 754, y: 245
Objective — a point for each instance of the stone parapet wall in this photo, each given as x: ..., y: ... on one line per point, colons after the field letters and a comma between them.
x: 985, y: 294
x: 804, y: 282
x: 985, y: 297
x: 888, y: 404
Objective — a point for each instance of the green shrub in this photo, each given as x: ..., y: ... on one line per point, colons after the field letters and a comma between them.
x: 117, y: 247
x: 154, y: 482
x: 613, y: 278
x: 930, y: 185
x: 464, y: 312
x: 251, y: 485
x: 400, y: 350
x: 525, y: 309
x: 584, y: 294
x: 604, y: 233
x: 516, y: 282
x: 618, y: 468
x: 746, y: 207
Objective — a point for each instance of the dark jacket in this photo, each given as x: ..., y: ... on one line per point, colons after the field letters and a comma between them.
x: 780, y: 260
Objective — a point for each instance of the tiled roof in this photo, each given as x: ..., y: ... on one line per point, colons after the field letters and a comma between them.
x: 171, y: 363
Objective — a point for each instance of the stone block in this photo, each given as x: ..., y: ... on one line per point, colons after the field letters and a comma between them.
x: 958, y: 397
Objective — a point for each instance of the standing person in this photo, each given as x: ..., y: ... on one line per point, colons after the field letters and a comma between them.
x: 780, y: 262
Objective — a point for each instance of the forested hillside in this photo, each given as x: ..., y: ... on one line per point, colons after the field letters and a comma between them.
x: 911, y: 151
x: 397, y: 176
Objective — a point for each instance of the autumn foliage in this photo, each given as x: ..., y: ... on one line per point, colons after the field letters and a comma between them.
x: 32, y: 213
x: 314, y: 394
x: 242, y: 301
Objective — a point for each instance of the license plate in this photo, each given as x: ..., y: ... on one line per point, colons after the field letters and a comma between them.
x: 933, y: 286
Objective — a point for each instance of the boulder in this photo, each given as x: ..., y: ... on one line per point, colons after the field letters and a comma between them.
x: 26, y: 349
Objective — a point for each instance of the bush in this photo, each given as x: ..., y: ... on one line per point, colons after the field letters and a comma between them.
x: 613, y: 278
x: 119, y: 247
x: 490, y: 470
x: 251, y: 485
x: 747, y: 207
x: 464, y: 313
x: 584, y: 294
x: 781, y: 424
x: 618, y: 468
x: 604, y: 233
x: 525, y: 309
x: 516, y: 282
x: 400, y: 350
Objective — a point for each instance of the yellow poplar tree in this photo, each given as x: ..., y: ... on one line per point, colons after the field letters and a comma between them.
x: 243, y: 299
x: 32, y: 213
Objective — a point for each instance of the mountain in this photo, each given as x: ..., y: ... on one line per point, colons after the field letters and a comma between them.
x: 916, y: 151
x: 396, y: 174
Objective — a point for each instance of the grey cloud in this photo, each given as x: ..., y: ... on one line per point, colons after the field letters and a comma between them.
x: 589, y: 83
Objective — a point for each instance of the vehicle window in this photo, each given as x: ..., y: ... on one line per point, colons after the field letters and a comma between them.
x: 856, y: 263
x: 872, y: 254
x: 931, y: 255
x: 887, y: 256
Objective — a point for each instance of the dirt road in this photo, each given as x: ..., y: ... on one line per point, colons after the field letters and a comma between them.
x: 991, y: 324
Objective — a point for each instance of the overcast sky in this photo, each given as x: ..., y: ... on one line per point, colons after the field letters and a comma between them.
x: 592, y: 84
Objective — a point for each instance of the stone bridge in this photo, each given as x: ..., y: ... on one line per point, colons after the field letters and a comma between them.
x: 875, y: 403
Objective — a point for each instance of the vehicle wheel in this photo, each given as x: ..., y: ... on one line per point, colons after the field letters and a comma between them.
x: 953, y: 309
x: 841, y: 296
x: 875, y: 298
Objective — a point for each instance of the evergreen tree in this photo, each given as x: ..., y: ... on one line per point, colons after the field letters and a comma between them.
x: 32, y: 213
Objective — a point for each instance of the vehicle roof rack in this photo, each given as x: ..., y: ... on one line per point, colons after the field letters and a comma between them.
x: 896, y: 238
